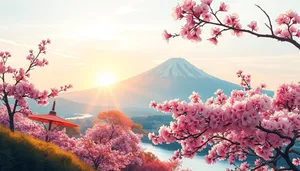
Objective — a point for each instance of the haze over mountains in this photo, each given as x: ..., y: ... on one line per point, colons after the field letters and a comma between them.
x: 175, y: 78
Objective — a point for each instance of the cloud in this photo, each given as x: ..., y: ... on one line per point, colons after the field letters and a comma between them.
x: 14, y: 43
x: 53, y: 51
x: 131, y: 6
x: 125, y: 10
x: 75, y: 64
x: 3, y: 28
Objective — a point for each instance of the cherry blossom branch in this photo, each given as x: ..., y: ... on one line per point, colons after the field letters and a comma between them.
x: 270, y: 26
x: 199, y: 15
x: 274, y: 132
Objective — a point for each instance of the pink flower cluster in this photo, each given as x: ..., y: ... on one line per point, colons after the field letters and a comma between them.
x: 288, y: 97
x: 245, y: 80
x: 201, y: 14
x: 42, y: 45
x: 248, y: 123
x: 101, y: 156
x: 288, y: 21
x: 34, y: 60
x: 5, y: 55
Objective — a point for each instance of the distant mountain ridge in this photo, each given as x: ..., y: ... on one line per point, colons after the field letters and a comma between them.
x: 174, y: 78
x: 67, y: 108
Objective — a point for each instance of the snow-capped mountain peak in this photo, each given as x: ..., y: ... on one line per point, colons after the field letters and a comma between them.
x: 178, y: 67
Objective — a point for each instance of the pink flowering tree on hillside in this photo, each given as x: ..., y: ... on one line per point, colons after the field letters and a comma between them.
x: 114, y: 130
x: 248, y: 129
x: 101, y: 156
x: 98, y: 148
x: 114, y: 154
x: 14, y: 94
x: 200, y: 15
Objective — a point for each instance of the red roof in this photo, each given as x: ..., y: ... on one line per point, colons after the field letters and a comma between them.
x: 52, y: 118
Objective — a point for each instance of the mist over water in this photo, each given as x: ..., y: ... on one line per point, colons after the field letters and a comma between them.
x: 196, y: 164
x: 80, y: 116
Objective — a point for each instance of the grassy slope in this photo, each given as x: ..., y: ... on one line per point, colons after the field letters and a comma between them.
x: 19, y: 152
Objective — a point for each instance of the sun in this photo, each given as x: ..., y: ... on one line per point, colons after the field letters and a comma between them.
x: 106, y: 78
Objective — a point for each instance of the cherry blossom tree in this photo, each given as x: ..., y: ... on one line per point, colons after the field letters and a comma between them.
x: 14, y: 94
x: 247, y: 124
x: 115, y: 117
x: 115, y: 128
x: 203, y: 14
x: 101, y: 156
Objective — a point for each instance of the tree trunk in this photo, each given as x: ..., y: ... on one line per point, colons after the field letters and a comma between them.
x: 49, y: 129
x: 289, y: 162
x: 11, y: 122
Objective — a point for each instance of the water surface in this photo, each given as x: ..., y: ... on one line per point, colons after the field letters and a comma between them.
x: 196, y: 164
x: 80, y: 116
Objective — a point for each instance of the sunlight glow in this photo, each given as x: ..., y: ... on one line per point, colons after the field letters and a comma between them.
x: 106, y: 79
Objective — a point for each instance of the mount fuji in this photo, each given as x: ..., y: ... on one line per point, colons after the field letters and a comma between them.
x: 175, y: 78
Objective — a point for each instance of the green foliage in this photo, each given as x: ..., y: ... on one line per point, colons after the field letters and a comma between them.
x: 19, y: 152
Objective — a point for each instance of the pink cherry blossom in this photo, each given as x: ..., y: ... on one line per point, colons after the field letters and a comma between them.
x: 296, y: 161
x: 207, y: 17
x: 190, y: 22
x: 153, y: 104
x: 184, y: 32
x: 216, y: 31
x: 213, y: 40
x: 207, y: 2
x: 239, y: 72
x: 238, y: 33
x: 178, y: 12
x: 166, y: 35
x: 194, y: 35
x: 298, y: 33
x: 253, y: 26
x: 200, y: 10
x: 195, y: 97
x: 282, y: 19
x: 263, y: 85
x: 223, y: 7
x: 188, y: 5
x: 278, y: 31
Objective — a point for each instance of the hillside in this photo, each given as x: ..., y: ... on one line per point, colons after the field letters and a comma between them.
x: 20, y: 152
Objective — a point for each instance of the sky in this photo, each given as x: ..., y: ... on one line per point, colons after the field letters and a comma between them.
x: 125, y: 37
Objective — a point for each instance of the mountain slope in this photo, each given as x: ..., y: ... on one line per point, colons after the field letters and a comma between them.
x: 175, y: 78
x: 177, y: 68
